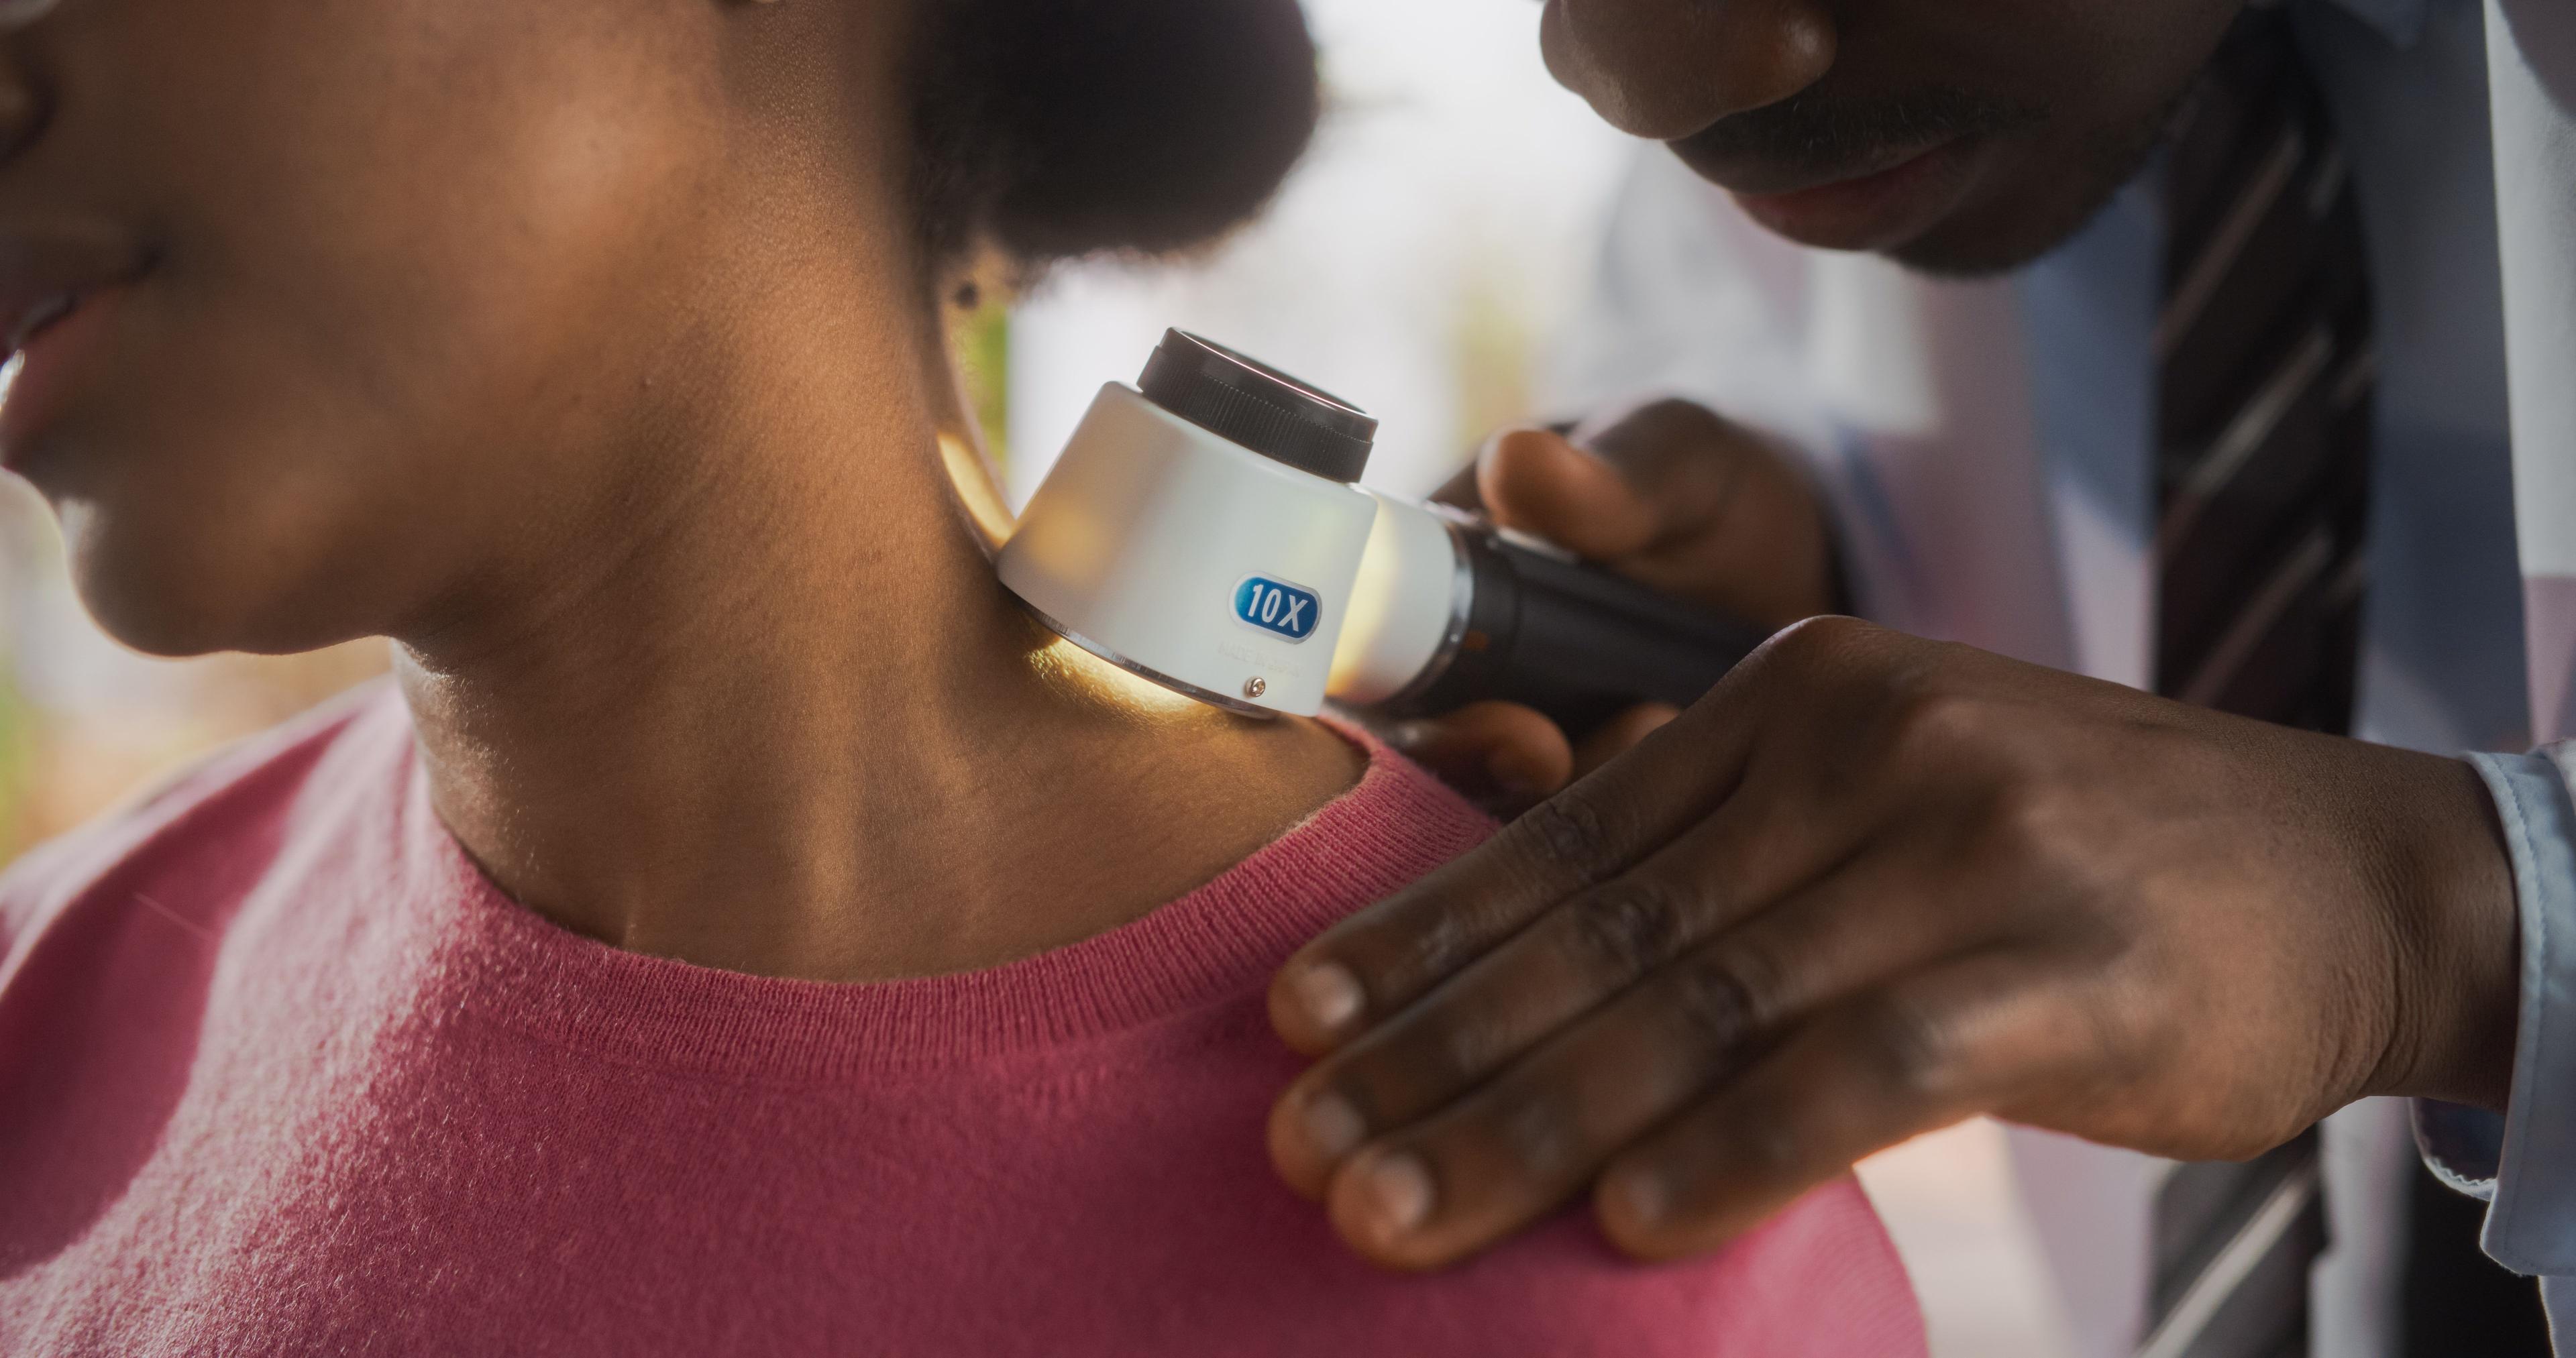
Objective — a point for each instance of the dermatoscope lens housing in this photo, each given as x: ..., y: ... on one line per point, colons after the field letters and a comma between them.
x: 1257, y: 407
x: 1202, y: 529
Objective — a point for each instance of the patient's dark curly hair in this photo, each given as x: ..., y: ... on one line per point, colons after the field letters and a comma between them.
x: 1053, y: 129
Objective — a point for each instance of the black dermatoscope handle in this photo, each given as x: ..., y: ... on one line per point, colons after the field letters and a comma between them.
x: 1541, y: 628
x: 1574, y: 641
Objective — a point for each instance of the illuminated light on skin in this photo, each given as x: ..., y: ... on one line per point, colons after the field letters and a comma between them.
x: 20, y: 13
x: 1075, y: 670
x: 1065, y: 666
x: 977, y: 491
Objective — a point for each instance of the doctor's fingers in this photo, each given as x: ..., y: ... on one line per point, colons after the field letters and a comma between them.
x: 1617, y: 486
x: 1978, y: 1036
x: 1676, y: 497
x: 1502, y: 756
x: 1798, y: 700
x: 1505, y: 757
x: 1490, y: 1159
x: 1621, y: 734
x: 1754, y: 859
x: 1372, y: 964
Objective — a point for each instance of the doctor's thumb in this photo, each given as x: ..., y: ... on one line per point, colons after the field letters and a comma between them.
x: 1676, y: 497
x: 1539, y: 482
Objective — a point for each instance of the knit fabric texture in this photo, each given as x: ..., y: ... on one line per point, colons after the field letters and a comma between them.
x: 282, y: 1073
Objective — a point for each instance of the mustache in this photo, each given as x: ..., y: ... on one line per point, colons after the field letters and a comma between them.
x: 1815, y: 132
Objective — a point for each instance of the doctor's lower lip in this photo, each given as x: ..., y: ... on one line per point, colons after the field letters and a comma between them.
x: 46, y: 371
x: 1874, y: 211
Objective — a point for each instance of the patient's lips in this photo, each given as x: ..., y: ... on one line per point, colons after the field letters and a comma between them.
x: 58, y: 295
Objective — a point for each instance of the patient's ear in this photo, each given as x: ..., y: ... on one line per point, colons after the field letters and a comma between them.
x: 969, y: 386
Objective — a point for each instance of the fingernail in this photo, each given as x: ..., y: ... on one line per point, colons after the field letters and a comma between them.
x: 1330, y: 994
x: 1639, y: 1196
x: 1398, y: 1189
x: 1333, y: 1127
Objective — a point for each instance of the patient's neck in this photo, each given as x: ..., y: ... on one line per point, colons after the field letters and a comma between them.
x: 779, y: 718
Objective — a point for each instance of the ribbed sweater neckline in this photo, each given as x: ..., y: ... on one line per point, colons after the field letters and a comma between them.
x: 494, y: 957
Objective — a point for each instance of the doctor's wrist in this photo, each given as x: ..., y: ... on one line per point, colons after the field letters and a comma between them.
x: 2455, y: 927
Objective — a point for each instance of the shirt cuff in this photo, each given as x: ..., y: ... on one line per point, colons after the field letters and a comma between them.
x: 2461, y: 1145
x: 2525, y: 1163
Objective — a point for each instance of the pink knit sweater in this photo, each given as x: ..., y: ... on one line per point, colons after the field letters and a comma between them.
x: 281, y: 1073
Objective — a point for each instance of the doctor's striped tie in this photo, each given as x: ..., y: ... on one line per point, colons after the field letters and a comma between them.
x: 2264, y: 383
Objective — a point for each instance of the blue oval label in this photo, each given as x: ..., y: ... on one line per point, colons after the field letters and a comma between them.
x: 1277, y: 607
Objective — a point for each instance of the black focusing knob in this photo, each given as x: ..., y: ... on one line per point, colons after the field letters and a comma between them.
x: 1258, y: 406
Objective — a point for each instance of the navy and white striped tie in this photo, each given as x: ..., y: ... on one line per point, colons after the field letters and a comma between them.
x: 2264, y: 383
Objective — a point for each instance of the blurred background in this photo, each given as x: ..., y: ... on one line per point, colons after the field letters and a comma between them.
x: 1416, y: 265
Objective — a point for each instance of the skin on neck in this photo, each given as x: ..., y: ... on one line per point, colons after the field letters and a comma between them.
x: 785, y: 721
x: 762, y: 704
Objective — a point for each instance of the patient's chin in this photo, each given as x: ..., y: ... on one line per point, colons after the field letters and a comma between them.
x: 179, y: 596
x: 142, y: 612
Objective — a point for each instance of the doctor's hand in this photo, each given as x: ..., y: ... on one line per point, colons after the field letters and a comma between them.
x: 1667, y: 494
x: 1870, y: 886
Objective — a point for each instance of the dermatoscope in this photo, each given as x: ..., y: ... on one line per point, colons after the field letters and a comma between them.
x: 1204, y: 529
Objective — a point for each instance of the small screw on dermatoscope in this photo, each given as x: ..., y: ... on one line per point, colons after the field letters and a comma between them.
x: 1255, y: 686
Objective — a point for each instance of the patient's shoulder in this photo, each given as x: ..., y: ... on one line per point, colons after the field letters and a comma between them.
x: 203, y: 818
x: 1251, y: 1269
x: 1820, y: 1280
x: 1230, y: 1251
